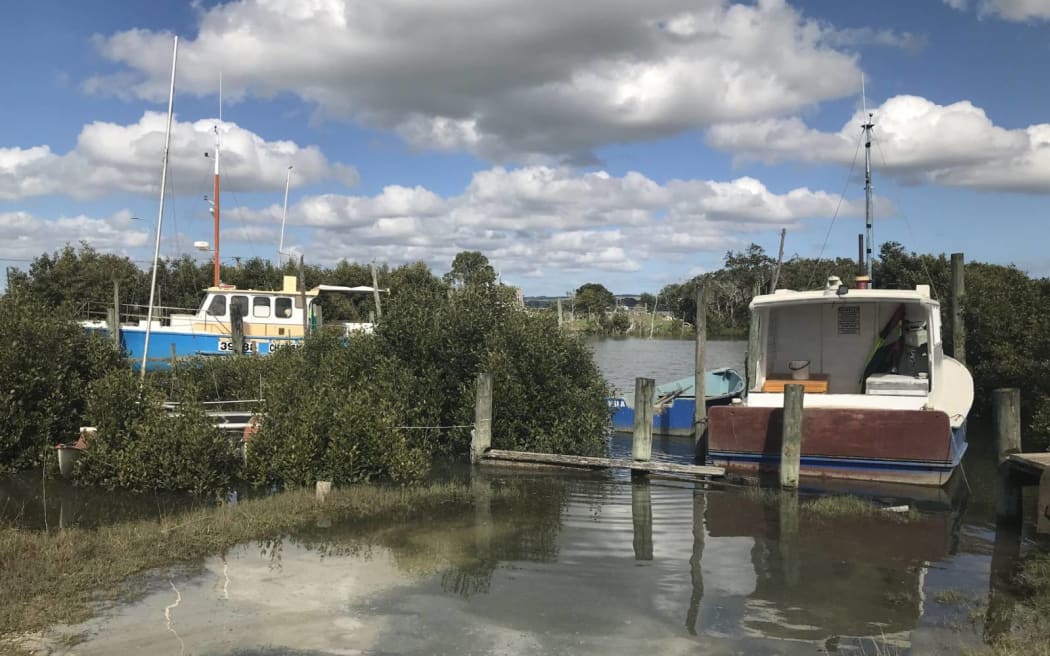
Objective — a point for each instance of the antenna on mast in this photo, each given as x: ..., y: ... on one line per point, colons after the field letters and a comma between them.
x: 868, y: 209
x: 215, y: 202
x: 284, y: 216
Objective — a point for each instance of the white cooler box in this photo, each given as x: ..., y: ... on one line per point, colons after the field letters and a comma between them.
x: 897, y: 385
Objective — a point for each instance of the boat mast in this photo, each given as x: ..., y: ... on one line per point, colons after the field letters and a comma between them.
x: 215, y: 204
x: 160, y: 214
x: 284, y: 216
x: 868, y: 213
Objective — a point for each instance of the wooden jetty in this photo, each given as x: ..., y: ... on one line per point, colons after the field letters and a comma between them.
x: 1016, y: 469
x: 496, y: 456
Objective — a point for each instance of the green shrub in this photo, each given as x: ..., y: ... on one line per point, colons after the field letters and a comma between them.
x: 334, y: 411
x: 141, y: 446
x: 46, y: 367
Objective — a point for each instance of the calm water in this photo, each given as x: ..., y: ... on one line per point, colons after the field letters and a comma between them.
x: 587, y: 563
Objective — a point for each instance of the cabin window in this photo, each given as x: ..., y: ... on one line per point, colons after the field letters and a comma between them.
x: 261, y: 307
x: 283, y: 307
x: 217, y: 308
x: 241, y: 303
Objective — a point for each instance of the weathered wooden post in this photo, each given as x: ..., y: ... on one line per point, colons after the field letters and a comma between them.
x: 958, y: 305
x: 642, y: 516
x: 753, y: 336
x: 237, y: 329
x: 375, y: 291
x: 113, y: 314
x: 699, y: 378
x: 302, y: 297
x: 322, y: 490
x: 791, y: 442
x: 1007, y: 408
x: 481, y: 436
x: 561, y: 314
x: 642, y: 444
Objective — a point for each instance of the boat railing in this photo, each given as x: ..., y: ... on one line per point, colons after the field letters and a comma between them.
x: 134, y: 312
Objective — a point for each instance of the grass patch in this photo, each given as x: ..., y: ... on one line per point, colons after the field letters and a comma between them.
x: 1029, y: 633
x: 833, y: 506
x: 67, y: 575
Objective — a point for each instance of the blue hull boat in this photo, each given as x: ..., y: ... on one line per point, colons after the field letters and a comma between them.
x: 676, y: 401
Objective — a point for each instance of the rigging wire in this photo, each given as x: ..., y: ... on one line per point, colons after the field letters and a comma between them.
x: 834, y: 217
x: 907, y: 224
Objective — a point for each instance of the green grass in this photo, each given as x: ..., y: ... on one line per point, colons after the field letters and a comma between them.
x: 1029, y: 633
x: 832, y: 506
x: 66, y: 575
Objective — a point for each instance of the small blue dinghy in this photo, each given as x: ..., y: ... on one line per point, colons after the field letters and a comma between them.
x: 675, y: 402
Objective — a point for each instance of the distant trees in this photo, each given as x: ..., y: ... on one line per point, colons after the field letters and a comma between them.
x: 470, y: 268
x: 594, y: 299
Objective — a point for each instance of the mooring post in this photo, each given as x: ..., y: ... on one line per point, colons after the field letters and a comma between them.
x: 302, y: 297
x: 700, y: 378
x: 642, y: 517
x: 113, y: 317
x: 1007, y: 408
x: 788, y: 537
x: 791, y: 444
x: 375, y: 291
x: 561, y: 314
x: 481, y: 436
x: 642, y: 444
x: 322, y: 490
x: 958, y: 305
x: 753, y: 335
x: 237, y: 329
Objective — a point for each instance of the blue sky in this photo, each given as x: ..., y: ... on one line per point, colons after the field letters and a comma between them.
x: 619, y: 142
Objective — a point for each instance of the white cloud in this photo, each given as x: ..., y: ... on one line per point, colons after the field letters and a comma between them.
x: 916, y: 140
x: 539, y: 219
x: 1011, y: 10
x: 508, y: 79
x: 110, y: 158
x: 24, y: 236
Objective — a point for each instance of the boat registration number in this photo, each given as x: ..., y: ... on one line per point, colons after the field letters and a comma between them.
x: 226, y: 346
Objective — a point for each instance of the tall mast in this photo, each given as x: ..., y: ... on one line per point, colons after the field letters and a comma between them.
x: 868, y: 212
x: 215, y: 203
x: 284, y: 216
x: 160, y: 215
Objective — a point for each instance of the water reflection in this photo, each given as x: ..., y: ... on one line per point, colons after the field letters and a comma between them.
x: 558, y: 563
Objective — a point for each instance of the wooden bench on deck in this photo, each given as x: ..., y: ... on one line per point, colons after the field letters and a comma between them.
x: 815, y: 384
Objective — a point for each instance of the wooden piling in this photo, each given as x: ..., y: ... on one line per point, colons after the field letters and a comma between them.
x: 561, y: 314
x: 753, y: 336
x: 302, y: 297
x: 481, y: 436
x: 791, y: 444
x: 699, y: 378
x: 1007, y: 407
x: 375, y: 292
x: 322, y: 490
x: 642, y: 444
x: 237, y: 329
x: 958, y: 306
x: 696, y: 571
x: 113, y: 317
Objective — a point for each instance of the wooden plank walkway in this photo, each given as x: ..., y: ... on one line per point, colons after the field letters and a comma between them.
x: 497, y: 456
x: 1032, y: 469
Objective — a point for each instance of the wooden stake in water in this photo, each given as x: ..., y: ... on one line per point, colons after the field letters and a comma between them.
x: 642, y: 444
x: 481, y: 436
x: 642, y: 517
x: 791, y: 444
x: 958, y: 305
x: 1007, y: 407
x: 700, y: 378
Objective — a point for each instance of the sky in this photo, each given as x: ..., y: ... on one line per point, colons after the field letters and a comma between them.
x: 621, y: 142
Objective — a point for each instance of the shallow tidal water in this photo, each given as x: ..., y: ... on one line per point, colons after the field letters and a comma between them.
x: 564, y: 562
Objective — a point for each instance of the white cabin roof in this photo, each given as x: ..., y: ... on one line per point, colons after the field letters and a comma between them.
x: 784, y: 297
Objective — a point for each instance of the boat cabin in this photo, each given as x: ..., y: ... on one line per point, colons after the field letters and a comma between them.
x: 264, y: 313
x: 849, y: 347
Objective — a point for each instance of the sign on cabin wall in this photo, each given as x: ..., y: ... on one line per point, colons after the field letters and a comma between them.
x: 849, y: 319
